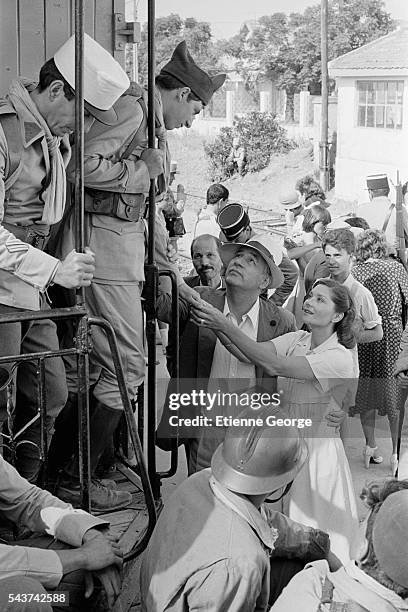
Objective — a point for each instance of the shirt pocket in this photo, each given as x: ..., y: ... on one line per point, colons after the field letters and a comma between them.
x: 119, y: 249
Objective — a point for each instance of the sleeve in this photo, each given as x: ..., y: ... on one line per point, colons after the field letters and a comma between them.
x: 331, y: 365
x: 402, y: 361
x: 290, y: 274
x: 296, y: 540
x: 285, y: 342
x: 17, y: 257
x: 224, y: 587
x: 304, y: 591
x: 42, y: 565
x: 103, y: 146
x: 369, y: 311
x: 25, y: 504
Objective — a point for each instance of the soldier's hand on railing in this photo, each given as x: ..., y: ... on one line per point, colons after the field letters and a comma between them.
x: 76, y: 270
x: 153, y: 158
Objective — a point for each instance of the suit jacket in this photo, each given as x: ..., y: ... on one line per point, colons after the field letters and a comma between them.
x: 197, y: 347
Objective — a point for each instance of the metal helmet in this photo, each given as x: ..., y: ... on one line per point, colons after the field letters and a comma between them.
x: 259, y: 458
x: 390, y: 537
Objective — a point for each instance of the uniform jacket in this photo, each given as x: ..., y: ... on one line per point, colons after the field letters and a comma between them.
x: 119, y: 245
x: 210, y: 551
x: 24, y: 270
x: 25, y: 504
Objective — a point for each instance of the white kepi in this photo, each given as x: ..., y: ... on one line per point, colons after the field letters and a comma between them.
x: 104, y: 78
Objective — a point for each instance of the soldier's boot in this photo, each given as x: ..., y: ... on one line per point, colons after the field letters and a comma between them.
x: 103, y: 423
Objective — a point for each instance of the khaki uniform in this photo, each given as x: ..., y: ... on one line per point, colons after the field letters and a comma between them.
x: 119, y: 247
x: 25, y: 273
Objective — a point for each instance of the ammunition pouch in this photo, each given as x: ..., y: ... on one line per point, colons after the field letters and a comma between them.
x: 126, y: 206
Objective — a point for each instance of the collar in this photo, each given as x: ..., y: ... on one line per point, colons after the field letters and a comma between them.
x: 252, y: 314
x: 331, y: 342
x: 349, y: 282
x: 246, y: 510
x: 360, y: 576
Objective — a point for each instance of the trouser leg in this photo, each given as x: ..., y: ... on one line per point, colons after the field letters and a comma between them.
x: 40, y: 336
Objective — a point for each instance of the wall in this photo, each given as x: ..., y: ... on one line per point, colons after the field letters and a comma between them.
x: 362, y: 151
x: 32, y: 30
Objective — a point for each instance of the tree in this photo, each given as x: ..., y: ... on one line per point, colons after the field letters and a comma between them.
x: 289, y: 48
x: 171, y: 30
x: 351, y: 25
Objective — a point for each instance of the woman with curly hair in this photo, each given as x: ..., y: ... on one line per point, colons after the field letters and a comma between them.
x: 314, y: 370
x: 378, y: 391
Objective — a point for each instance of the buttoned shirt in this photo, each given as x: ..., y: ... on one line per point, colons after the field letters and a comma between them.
x: 225, y: 366
x: 25, y: 504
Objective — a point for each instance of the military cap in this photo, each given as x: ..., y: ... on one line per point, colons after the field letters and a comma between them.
x: 232, y: 219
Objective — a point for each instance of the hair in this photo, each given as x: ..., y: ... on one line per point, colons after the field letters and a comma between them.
x: 315, y: 214
x: 371, y: 243
x: 50, y: 73
x: 206, y: 236
x: 340, y: 239
x: 216, y: 192
x: 343, y: 304
x: 169, y: 82
x: 308, y: 186
x: 374, y: 494
x: 357, y: 222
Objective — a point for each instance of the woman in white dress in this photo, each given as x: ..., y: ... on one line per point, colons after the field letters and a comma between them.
x: 315, y: 369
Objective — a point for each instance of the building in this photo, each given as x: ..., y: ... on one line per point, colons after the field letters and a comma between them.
x: 372, y: 113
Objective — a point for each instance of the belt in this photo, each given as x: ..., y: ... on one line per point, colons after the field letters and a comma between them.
x: 31, y: 234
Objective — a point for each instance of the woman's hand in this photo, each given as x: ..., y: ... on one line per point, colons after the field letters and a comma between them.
x: 205, y: 315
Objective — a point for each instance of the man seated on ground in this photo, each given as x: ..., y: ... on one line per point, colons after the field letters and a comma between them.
x: 82, y: 548
x: 204, y: 361
x: 377, y: 581
x: 235, y: 226
x: 217, y: 198
x: 216, y: 545
x: 208, y: 267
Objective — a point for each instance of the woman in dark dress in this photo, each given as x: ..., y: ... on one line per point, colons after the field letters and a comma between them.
x: 388, y: 282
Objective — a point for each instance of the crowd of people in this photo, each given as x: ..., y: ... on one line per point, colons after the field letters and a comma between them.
x: 315, y: 323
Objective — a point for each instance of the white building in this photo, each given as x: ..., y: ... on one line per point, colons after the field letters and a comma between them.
x: 372, y: 113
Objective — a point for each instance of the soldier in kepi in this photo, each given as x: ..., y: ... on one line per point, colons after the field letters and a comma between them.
x: 380, y: 213
x: 36, y: 120
x: 118, y: 171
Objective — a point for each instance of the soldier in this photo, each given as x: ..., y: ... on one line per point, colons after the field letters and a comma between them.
x: 35, y: 122
x: 118, y: 171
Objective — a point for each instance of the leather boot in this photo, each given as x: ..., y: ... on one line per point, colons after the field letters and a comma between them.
x: 103, y: 423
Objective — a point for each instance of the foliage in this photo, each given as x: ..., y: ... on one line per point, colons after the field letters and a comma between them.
x: 289, y: 47
x: 260, y: 135
x: 171, y: 30
x: 217, y: 153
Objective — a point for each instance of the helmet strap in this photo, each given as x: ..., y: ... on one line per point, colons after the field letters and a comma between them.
x: 286, y: 490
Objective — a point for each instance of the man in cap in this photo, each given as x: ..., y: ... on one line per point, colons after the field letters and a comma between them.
x: 118, y: 169
x: 380, y: 212
x: 292, y: 203
x: 377, y: 581
x: 204, y: 360
x: 216, y: 545
x: 36, y: 120
x: 235, y: 226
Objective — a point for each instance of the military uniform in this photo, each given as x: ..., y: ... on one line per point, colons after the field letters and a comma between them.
x: 119, y: 245
x: 25, y: 273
